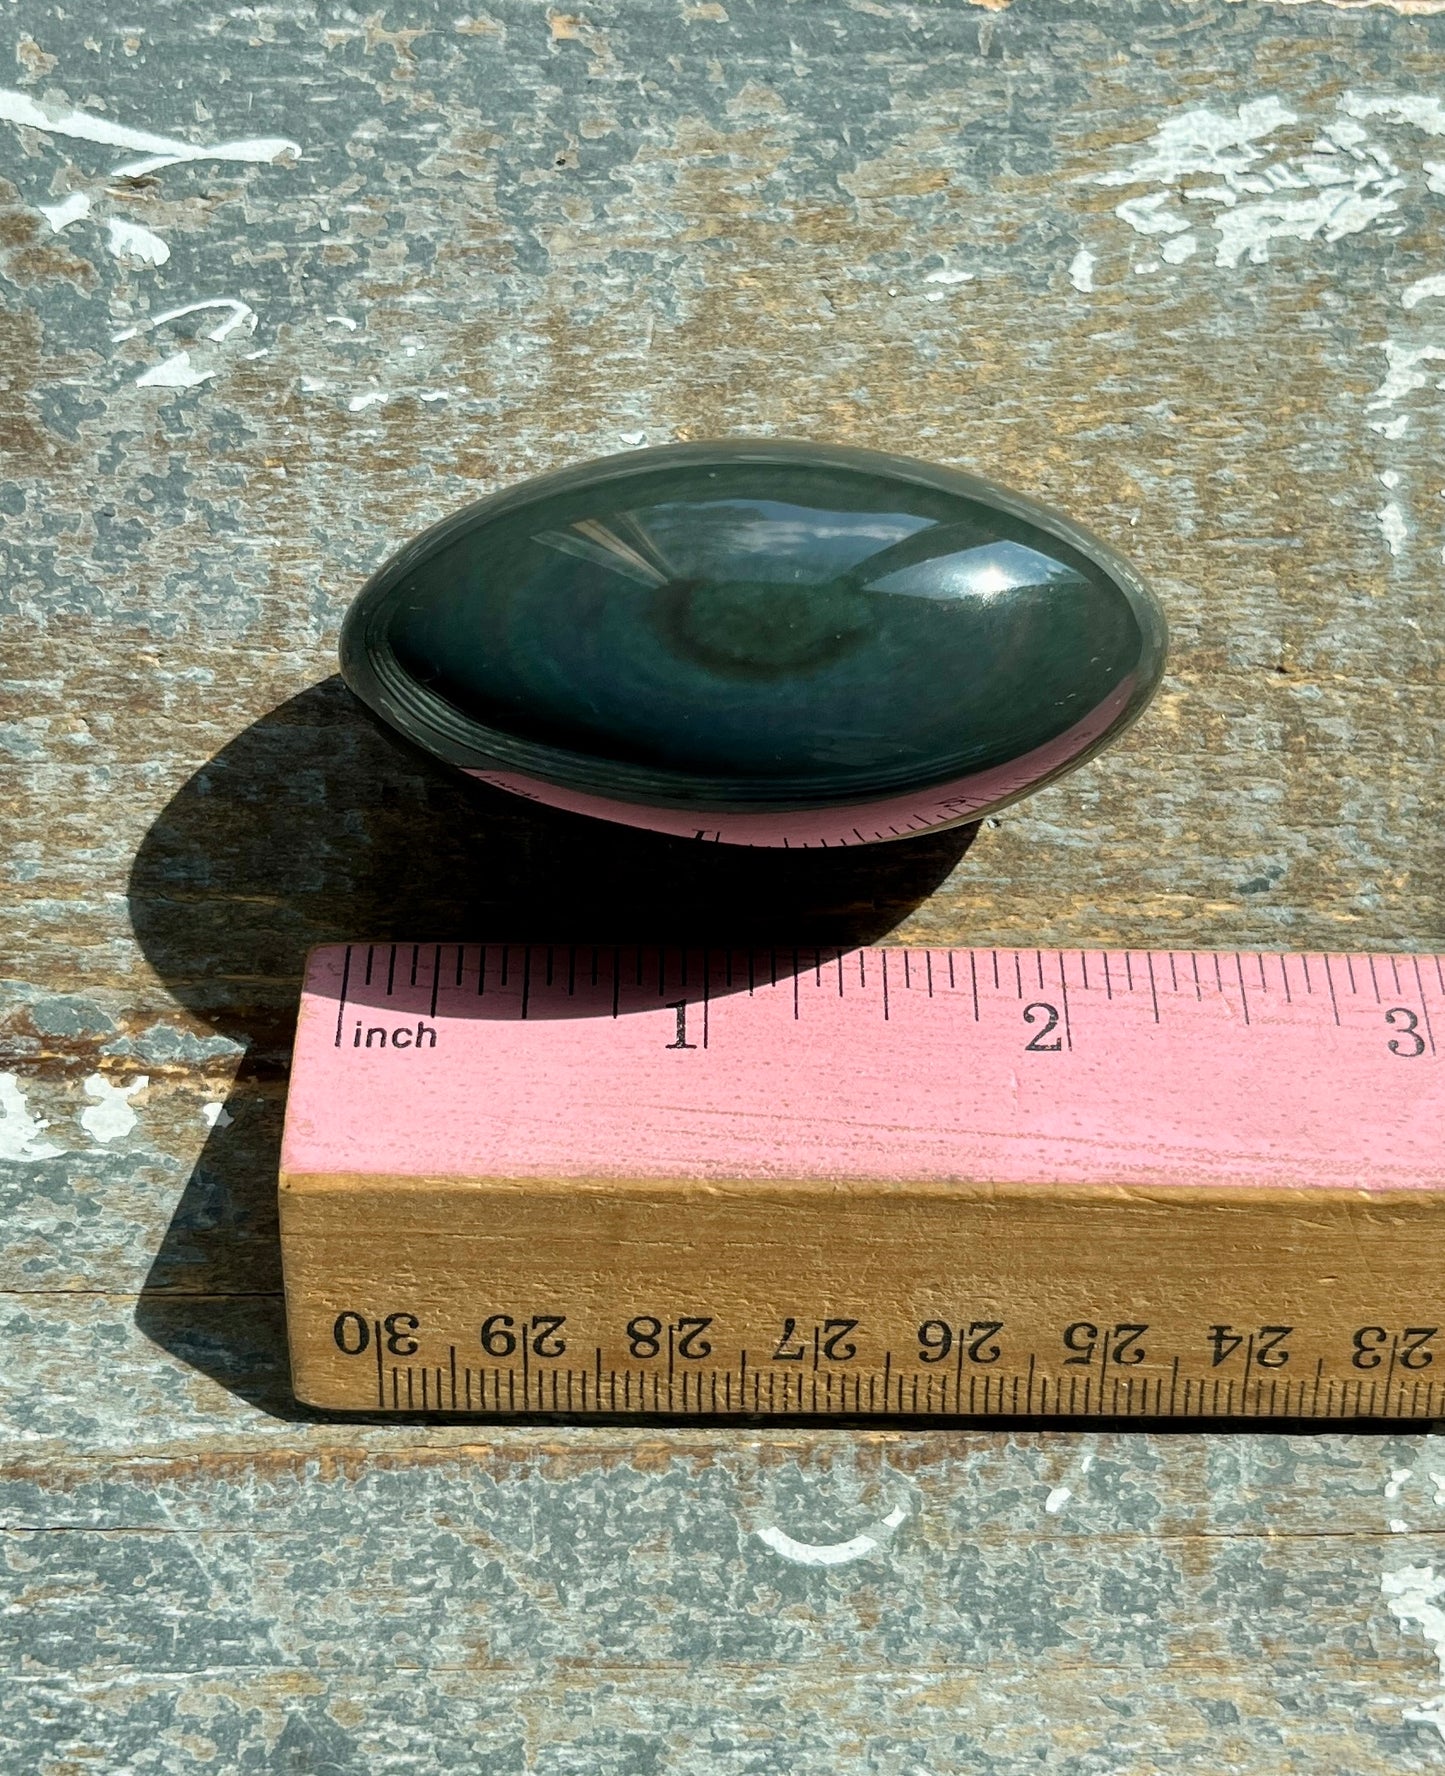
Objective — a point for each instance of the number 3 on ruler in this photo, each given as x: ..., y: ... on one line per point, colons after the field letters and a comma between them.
x: 1409, y: 1042
x: 1050, y: 1014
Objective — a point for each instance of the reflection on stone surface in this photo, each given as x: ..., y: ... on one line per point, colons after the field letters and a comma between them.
x: 759, y: 642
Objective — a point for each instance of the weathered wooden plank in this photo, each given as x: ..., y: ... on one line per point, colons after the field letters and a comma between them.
x: 754, y: 1720
x: 1174, y: 267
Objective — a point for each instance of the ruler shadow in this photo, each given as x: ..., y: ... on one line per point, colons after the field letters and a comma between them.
x: 316, y: 825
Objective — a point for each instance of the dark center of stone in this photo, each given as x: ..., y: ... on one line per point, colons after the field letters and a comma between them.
x: 753, y: 629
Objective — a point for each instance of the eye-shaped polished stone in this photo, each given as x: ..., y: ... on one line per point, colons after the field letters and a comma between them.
x: 759, y: 642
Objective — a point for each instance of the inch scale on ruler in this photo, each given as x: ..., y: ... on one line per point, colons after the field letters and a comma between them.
x: 597, y: 1180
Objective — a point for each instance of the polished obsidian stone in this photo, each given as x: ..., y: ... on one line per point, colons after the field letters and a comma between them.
x: 759, y: 642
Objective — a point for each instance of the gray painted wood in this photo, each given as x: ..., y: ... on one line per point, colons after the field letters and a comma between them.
x: 1167, y: 266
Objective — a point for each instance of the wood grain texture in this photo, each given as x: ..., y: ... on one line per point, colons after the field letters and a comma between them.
x: 962, y: 231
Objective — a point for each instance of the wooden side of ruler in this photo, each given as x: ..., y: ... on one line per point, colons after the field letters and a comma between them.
x: 884, y: 1182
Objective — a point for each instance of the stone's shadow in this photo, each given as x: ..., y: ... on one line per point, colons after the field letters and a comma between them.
x: 317, y: 825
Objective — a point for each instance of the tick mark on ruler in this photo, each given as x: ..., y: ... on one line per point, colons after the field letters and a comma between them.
x: 1424, y: 1007
x: 341, y: 1007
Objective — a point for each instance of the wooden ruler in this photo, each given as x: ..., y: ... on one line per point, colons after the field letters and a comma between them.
x: 872, y: 1182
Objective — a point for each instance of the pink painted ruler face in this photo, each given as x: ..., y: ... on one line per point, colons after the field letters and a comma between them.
x: 1140, y: 1068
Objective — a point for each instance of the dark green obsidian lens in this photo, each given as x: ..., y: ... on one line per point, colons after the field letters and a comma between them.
x: 759, y: 642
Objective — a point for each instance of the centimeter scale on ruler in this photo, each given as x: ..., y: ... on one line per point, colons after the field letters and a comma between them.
x: 1388, y: 1379
x: 877, y: 1181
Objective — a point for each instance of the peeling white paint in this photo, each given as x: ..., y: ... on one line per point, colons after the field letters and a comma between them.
x: 1204, y: 141
x: 1403, y: 374
x: 216, y: 1116
x: 1425, y: 111
x: 157, y: 151
x: 111, y: 1117
x: 1438, y: 1480
x: 1339, y: 188
x: 1081, y: 270
x: 1251, y: 227
x: 1393, y: 526
x: 1391, y: 428
x: 1147, y: 215
x: 1412, y: 1595
x: 343, y: 321
x: 833, y: 1553
x: 1422, y: 290
x: 70, y: 209
x: 372, y: 398
x: 949, y: 277
x: 238, y: 314
x: 176, y: 372
x: 1398, y: 1526
x: 633, y: 438
x: 129, y: 240
x: 20, y: 1128
x: 1182, y: 247
x: 1057, y: 1499
x: 1398, y: 1477
x: 181, y: 370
